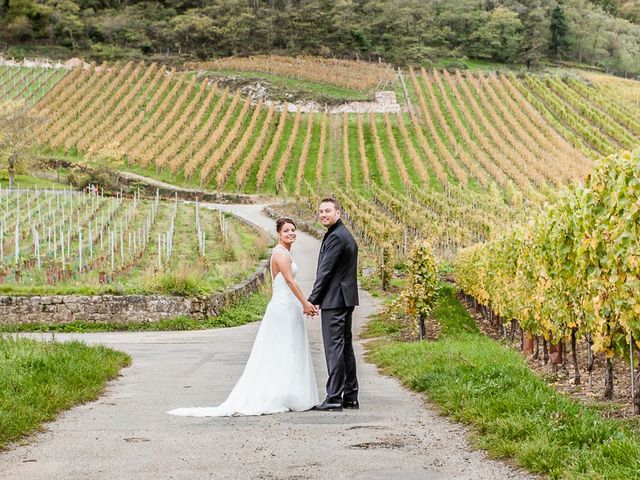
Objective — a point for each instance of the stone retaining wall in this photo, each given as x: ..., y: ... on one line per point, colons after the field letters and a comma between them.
x: 122, y: 308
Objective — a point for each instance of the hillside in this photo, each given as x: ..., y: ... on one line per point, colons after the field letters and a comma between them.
x: 487, y: 146
x: 600, y: 33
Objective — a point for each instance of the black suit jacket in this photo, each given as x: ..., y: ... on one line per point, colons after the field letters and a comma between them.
x: 336, y: 284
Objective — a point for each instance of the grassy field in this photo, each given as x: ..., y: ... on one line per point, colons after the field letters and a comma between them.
x: 40, y: 379
x: 512, y: 413
x: 31, y: 181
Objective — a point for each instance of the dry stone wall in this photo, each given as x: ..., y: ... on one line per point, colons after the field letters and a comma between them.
x: 122, y: 308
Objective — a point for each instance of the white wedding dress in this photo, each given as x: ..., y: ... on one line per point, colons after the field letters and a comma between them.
x: 279, y: 375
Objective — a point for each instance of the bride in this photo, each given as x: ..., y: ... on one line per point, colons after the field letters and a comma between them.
x: 278, y: 376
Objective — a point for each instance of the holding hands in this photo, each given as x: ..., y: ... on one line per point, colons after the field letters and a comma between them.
x: 309, y: 309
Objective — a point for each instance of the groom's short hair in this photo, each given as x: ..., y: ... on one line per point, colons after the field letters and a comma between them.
x: 335, y: 202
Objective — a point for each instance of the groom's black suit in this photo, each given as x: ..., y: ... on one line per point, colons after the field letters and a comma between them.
x: 336, y: 291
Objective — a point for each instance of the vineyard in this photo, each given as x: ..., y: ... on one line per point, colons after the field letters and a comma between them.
x: 620, y: 90
x: 527, y: 134
x: 27, y: 84
x: 573, y: 271
x: 67, y: 241
x: 486, y: 145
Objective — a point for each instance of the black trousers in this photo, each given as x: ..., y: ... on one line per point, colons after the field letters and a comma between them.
x: 338, y: 351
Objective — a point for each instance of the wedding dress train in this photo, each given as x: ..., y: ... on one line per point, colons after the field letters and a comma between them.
x: 279, y: 375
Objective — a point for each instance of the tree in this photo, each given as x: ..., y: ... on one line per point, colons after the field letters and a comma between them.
x: 16, y: 138
x: 559, y: 31
x: 64, y: 18
x: 19, y: 29
x: 421, y: 290
x: 631, y: 11
x: 194, y: 30
x: 499, y: 37
x: 609, y: 6
x: 535, y: 37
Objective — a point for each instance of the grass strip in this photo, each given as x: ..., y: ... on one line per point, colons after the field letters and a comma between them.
x: 244, y: 311
x: 512, y: 412
x: 39, y: 379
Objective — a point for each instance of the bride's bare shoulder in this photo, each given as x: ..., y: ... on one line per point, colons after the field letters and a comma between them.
x: 281, y: 251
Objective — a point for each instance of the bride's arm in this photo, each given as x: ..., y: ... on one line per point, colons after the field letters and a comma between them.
x: 283, y: 262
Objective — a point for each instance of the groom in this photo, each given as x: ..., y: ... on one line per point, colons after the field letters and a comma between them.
x: 335, y: 293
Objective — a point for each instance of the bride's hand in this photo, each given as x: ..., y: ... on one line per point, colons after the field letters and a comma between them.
x: 309, y: 309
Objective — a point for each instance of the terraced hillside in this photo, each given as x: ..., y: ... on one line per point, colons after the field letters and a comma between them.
x: 468, y: 137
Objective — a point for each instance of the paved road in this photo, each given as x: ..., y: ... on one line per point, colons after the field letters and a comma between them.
x: 126, y: 434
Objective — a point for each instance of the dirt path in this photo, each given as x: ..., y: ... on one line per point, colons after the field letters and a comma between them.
x: 126, y: 434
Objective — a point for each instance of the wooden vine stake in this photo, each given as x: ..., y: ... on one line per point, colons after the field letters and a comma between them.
x: 590, y: 359
x: 608, y: 379
x: 574, y: 357
x: 635, y: 395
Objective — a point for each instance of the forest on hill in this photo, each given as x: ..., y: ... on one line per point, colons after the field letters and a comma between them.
x: 602, y: 33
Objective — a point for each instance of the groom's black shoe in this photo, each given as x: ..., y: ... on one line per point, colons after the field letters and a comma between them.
x: 351, y: 404
x: 328, y: 407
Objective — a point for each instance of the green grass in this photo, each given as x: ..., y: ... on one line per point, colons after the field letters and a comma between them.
x: 38, y: 51
x: 512, y: 412
x: 30, y: 181
x: 379, y: 326
x: 244, y: 311
x: 40, y: 379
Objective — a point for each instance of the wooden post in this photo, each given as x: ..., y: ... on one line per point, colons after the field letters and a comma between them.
x: 634, y: 400
x: 608, y: 379
x: 574, y: 357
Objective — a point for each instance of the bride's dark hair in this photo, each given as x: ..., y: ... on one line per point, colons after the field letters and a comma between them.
x: 282, y: 221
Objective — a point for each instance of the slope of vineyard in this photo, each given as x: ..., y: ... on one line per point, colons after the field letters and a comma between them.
x: 482, y: 135
x: 618, y: 89
x: 27, y: 84
x: 59, y: 240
